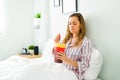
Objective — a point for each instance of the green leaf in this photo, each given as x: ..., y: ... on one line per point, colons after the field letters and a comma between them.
x: 31, y: 47
x: 38, y: 15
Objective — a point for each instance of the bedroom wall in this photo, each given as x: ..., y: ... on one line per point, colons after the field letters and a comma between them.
x: 58, y: 21
x: 102, y: 19
x: 18, y: 29
x: 41, y: 35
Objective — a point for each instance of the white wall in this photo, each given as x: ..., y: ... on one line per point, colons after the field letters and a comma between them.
x: 18, y: 31
x: 58, y: 21
x: 102, y: 19
x: 41, y: 35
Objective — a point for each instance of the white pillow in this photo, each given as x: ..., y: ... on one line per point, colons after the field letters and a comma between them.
x: 95, y: 66
x: 47, y: 55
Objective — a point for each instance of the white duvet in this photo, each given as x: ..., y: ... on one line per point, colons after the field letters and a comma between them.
x: 19, y: 68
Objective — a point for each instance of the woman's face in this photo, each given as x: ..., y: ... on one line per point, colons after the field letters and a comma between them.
x: 74, y: 25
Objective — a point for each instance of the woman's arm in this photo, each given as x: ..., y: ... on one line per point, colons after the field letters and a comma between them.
x: 72, y: 63
x: 62, y: 56
x: 56, y: 40
x: 83, y: 63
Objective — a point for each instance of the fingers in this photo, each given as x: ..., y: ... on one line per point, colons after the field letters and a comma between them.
x: 57, y: 38
x: 60, y: 55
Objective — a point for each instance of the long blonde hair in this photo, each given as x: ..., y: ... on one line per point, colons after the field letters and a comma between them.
x: 82, y: 30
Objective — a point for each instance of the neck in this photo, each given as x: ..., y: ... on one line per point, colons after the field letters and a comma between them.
x: 74, y: 36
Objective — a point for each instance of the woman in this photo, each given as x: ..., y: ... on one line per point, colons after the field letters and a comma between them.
x: 76, y: 56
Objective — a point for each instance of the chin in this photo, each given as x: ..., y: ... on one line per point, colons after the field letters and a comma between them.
x: 72, y: 32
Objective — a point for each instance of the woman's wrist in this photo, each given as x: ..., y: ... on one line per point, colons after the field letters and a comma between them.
x: 67, y: 60
x: 71, y: 62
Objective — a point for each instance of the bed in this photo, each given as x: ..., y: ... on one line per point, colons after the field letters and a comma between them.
x: 44, y: 68
x: 18, y: 68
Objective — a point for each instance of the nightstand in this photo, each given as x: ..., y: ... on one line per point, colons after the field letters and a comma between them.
x: 31, y: 56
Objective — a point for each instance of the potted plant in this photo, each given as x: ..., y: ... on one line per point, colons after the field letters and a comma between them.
x: 37, y: 20
x: 38, y: 15
x: 31, y: 49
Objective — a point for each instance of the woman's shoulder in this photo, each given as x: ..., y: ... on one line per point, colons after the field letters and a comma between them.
x: 86, y: 40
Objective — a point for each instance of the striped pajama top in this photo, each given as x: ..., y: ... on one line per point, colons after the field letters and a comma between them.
x: 81, y: 54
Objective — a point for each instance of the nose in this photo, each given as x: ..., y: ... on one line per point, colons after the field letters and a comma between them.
x: 71, y: 26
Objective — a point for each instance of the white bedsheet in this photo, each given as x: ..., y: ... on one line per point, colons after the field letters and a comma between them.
x: 19, y: 68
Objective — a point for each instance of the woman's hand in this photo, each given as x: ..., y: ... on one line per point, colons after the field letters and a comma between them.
x: 61, y: 56
x: 57, y: 38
